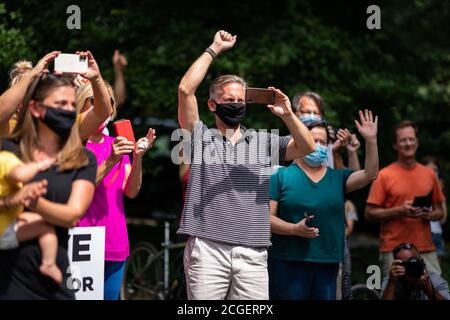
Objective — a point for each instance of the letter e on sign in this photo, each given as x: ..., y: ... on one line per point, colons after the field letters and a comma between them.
x: 78, y: 247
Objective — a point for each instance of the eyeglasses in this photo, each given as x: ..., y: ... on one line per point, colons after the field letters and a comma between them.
x: 404, y: 246
x: 307, y: 113
x: 91, y: 100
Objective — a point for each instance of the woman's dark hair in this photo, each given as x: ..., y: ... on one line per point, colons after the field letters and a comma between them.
x: 313, y: 96
x: 47, y: 82
x: 319, y: 124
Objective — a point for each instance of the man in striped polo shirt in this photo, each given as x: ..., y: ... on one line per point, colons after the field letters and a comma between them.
x: 226, y: 211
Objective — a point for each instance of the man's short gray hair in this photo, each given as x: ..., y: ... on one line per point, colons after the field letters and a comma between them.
x: 218, y: 83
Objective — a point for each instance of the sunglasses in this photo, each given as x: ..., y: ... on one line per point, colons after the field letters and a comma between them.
x: 404, y: 246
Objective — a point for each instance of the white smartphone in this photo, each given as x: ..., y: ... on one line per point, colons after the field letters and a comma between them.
x: 71, y: 63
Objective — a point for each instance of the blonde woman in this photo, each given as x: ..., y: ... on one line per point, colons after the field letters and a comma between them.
x: 117, y: 176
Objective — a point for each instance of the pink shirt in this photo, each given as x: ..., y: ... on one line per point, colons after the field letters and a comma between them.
x: 107, y: 208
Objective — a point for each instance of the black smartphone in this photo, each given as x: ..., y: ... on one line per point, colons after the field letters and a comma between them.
x: 259, y: 96
x: 307, y: 219
x: 336, y: 131
x: 423, y: 201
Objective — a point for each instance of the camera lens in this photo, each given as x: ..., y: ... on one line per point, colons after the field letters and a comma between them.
x: 414, y: 268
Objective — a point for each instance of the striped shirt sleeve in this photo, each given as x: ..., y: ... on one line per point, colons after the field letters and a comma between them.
x: 278, y: 147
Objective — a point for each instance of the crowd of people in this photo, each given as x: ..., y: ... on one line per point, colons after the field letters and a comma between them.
x: 77, y: 175
x: 274, y: 228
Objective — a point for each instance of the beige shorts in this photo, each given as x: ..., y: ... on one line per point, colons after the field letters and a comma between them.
x: 218, y: 271
x: 8, y: 240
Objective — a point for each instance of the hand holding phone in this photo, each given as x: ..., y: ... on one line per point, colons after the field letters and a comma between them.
x: 124, y: 129
x: 308, y: 219
x: 305, y: 229
x: 423, y: 201
x: 259, y: 96
x: 71, y: 63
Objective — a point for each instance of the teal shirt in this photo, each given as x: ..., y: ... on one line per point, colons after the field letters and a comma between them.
x: 296, y: 193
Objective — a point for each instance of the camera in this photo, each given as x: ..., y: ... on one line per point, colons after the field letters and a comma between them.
x: 414, y: 267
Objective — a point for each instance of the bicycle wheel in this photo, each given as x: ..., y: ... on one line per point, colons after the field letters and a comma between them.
x: 143, y: 278
x: 178, y: 288
x: 361, y: 292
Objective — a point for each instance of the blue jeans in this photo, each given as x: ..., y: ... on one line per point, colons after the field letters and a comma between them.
x: 113, y: 279
x: 298, y: 280
x: 438, y: 243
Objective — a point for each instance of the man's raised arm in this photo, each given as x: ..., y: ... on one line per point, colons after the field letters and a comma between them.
x: 187, y: 102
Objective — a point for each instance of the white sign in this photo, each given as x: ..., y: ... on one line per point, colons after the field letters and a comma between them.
x: 87, y: 262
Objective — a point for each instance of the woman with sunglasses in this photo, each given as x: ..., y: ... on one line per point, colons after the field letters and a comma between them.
x: 117, y: 176
x: 307, y: 217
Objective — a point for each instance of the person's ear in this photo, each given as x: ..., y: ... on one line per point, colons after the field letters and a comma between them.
x: 212, y: 105
x: 35, y: 110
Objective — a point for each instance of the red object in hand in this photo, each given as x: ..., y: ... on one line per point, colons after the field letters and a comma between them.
x: 124, y: 129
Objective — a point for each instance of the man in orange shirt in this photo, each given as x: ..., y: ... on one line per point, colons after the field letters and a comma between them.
x: 391, y: 200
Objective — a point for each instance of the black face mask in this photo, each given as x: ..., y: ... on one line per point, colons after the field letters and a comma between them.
x: 231, y: 113
x: 60, y: 121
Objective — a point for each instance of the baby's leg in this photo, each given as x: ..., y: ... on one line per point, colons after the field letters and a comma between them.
x: 30, y: 226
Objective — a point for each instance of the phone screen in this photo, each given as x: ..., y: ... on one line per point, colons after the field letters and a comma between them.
x: 423, y: 201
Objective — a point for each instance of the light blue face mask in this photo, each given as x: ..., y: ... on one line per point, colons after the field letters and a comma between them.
x: 310, y: 118
x: 317, y: 157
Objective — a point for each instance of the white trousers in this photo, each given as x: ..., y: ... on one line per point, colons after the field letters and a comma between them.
x: 219, y: 271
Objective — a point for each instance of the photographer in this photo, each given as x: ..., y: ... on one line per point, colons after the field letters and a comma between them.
x: 410, y: 280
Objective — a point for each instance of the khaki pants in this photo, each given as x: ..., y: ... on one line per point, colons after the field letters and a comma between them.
x: 218, y: 271
x: 430, y: 259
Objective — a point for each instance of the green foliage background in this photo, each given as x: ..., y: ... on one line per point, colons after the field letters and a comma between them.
x: 400, y: 71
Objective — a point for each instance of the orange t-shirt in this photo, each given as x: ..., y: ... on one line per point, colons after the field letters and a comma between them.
x: 394, y: 185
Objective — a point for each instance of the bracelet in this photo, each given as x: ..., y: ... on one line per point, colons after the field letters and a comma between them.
x: 211, y: 52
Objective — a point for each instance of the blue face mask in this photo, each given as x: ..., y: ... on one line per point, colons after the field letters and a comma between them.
x: 317, y: 157
x: 310, y: 118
